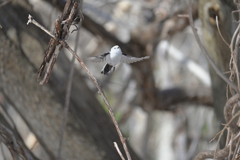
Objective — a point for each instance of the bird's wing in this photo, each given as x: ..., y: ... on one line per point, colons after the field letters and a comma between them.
x: 98, y: 59
x: 129, y: 59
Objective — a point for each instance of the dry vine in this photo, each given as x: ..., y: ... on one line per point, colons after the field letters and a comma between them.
x: 231, y: 147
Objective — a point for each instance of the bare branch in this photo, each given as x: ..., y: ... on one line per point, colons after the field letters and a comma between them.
x: 31, y: 20
x: 219, y: 31
x: 234, y: 55
x: 50, y: 66
x: 221, y: 154
x: 118, y: 150
x: 228, y: 111
x: 68, y: 94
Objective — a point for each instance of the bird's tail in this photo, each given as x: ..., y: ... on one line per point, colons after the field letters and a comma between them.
x: 106, y: 69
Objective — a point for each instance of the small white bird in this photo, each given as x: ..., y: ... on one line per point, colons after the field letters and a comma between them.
x: 114, y: 57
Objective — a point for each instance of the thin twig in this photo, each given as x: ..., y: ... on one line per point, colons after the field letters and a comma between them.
x: 67, y: 98
x: 66, y: 108
x: 219, y: 31
x: 230, y: 150
x: 237, y: 136
x: 206, y: 53
x: 221, y: 154
x: 215, y: 137
x: 228, y: 112
x: 31, y: 20
x: 235, y: 59
x: 237, y: 114
x: 118, y: 150
x: 228, y: 136
x: 50, y: 66
x: 235, y: 151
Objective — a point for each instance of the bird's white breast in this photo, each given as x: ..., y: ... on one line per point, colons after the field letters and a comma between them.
x: 115, y: 56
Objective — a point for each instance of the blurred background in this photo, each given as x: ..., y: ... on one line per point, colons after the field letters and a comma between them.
x: 164, y: 105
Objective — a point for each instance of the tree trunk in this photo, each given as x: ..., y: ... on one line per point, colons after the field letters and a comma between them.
x: 218, y: 50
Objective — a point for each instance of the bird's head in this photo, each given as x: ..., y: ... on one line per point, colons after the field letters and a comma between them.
x: 115, y: 48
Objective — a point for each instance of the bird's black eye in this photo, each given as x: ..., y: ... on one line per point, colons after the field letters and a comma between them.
x: 118, y: 47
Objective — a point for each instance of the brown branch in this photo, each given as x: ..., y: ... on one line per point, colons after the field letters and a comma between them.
x: 31, y: 20
x: 118, y: 150
x: 235, y: 152
x: 71, y: 15
x: 49, y: 52
x: 221, y: 154
x: 234, y: 55
x: 51, y: 64
x: 228, y: 112
x: 225, y: 151
x: 220, y: 33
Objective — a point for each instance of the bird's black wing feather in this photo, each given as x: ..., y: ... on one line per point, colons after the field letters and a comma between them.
x: 101, y: 58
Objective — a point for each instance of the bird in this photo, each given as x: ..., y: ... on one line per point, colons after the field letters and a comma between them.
x: 114, y: 57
